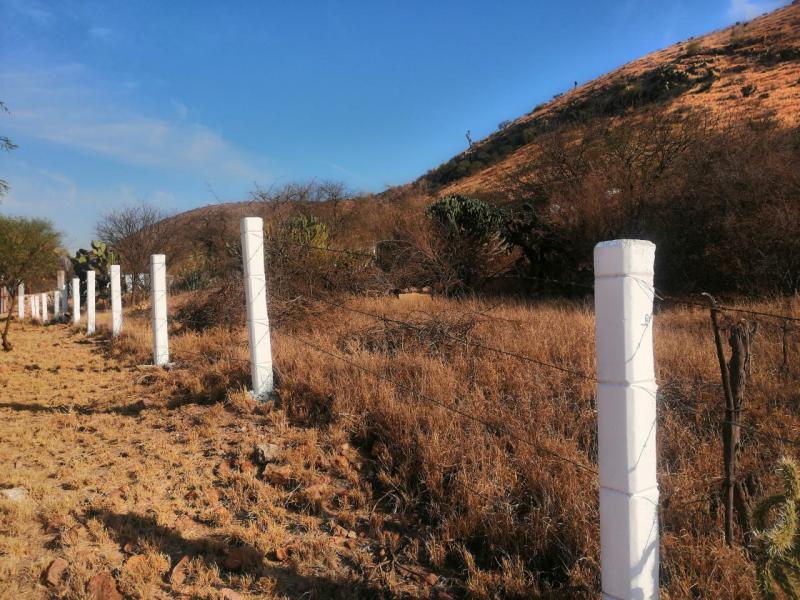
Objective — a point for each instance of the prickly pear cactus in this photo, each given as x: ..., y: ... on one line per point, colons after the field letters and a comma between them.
x: 778, y: 545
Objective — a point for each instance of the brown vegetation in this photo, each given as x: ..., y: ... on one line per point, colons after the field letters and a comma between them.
x: 158, y: 463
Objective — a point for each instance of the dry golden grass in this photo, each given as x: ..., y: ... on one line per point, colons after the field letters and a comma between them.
x: 130, y: 468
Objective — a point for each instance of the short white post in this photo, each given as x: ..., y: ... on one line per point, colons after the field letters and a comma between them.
x: 90, y: 314
x: 33, y: 306
x: 57, y: 304
x: 43, y: 306
x: 626, y: 411
x: 255, y: 286
x: 76, y: 300
x: 21, y: 301
x: 158, y: 301
x: 116, y: 302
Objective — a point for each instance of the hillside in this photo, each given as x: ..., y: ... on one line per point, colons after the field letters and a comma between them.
x: 749, y: 70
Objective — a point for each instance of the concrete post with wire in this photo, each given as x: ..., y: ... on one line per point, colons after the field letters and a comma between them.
x: 90, y: 308
x: 255, y: 285
x: 626, y: 412
x: 43, y: 307
x: 21, y: 301
x: 76, y: 300
x: 158, y: 301
x: 59, y: 308
x: 116, y: 302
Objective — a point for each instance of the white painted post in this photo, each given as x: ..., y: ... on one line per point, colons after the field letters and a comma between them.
x: 255, y: 286
x: 43, y: 307
x: 116, y: 302
x: 21, y: 301
x: 60, y: 305
x: 158, y: 301
x: 57, y: 304
x: 626, y: 411
x: 32, y: 302
x: 90, y: 314
x: 76, y: 300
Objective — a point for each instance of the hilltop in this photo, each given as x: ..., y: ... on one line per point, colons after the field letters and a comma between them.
x: 749, y: 70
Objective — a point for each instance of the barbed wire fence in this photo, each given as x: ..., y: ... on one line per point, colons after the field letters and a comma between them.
x: 667, y: 397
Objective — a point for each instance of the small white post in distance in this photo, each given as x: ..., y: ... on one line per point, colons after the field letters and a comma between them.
x: 626, y: 415
x: 32, y: 305
x: 158, y: 301
x: 90, y: 312
x: 116, y: 302
x: 58, y: 302
x: 43, y: 307
x: 21, y: 301
x: 76, y: 300
x: 255, y: 286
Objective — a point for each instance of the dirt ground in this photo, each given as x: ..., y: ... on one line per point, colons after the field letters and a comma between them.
x: 128, y: 494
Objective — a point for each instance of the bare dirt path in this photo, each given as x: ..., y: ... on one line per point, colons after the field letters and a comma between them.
x: 126, y: 495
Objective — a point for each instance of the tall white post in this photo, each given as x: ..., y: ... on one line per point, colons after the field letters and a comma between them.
x: 90, y: 314
x: 60, y: 305
x: 57, y: 304
x: 116, y: 302
x: 76, y: 300
x: 158, y: 301
x: 626, y: 414
x: 33, y: 306
x: 255, y: 286
x: 43, y: 307
x: 21, y: 301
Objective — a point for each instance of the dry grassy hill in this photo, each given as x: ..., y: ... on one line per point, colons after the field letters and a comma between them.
x: 749, y: 70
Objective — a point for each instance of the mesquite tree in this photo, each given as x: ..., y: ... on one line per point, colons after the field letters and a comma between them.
x: 29, y: 253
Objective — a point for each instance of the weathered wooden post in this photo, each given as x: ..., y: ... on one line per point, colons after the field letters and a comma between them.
x: 90, y: 308
x: 255, y: 285
x: 626, y: 411
x: 21, y: 301
x: 76, y: 300
x: 158, y: 300
x: 116, y: 302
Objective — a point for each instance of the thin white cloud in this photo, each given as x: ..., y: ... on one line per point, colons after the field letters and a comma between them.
x: 63, y: 106
x: 180, y: 108
x: 744, y: 10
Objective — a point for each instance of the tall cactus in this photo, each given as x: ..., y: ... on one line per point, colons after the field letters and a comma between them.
x: 778, y: 558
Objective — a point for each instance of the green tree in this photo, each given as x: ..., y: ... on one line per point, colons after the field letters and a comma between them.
x: 29, y: 251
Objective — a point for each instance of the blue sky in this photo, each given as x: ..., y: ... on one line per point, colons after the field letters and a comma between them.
x: 182, y: 103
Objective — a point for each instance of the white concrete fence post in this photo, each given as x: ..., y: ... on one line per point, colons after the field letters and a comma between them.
x: 255, y: 286
x: 58, y: 304
x: 21, y: 301
x: 90, y: 313
x: 43, y: 307
x: 76, y: 300
x: 158, y: 301
x: 116, y: 302
x: 626, y: 411
x: 32, y: 306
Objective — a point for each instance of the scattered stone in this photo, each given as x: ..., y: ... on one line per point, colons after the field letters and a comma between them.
x: 178, y: 576
x: 55, y: 572
x: 277, y: 475
x: 15, y: 494
x: 229, y: 594
x: 103, y: 587
x: 241, y: 558
x: 266, y: 453
x: 279, y: 554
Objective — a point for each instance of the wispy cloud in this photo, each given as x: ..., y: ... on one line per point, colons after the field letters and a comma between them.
x: 744, y: 10
x: 62, y: 105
